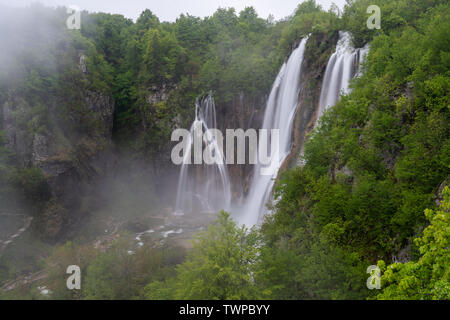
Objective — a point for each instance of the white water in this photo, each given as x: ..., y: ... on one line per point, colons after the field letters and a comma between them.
x: 279, y: 114
x: 362, y: 58
x: 340, y: 70
x: 203, y: 188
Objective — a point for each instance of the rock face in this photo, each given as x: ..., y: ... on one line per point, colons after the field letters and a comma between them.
x: 82, y: 63
x: 68, y: 159
x: 40, y: 150
x: 242, y: 113
x: 102, y: 107
x: 157, y: 95
x: 18, y: 139
x: 439, y: 197
x: 71, y: 159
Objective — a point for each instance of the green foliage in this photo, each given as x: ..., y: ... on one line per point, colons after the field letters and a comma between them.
x: 168, y: 65
x: 309, y: 17
x: 371, y: 167
x: 220, y: 265
x: 298, y: 260
x: 117, y: 275
x: 31, y: 186
x: 378, y: 155
x: 56, y: 266
x: 163, y: 58
x: 429, y: 277
x: 159, y: 290
x: 5, y: 162
x: 394, y: 16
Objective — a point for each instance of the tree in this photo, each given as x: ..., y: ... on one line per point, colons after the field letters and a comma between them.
x: 147, y: 20
x: 221, y: 264
x: 119, y: 273
x: 162, y: 59
x: 429, y: 277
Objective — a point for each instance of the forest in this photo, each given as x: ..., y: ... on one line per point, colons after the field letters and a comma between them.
x: 90, y: 108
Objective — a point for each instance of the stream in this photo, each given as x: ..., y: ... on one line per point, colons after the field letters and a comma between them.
x: 18, y: 223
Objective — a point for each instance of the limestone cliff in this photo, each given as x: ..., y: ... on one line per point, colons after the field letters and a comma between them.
x: 67, y: 136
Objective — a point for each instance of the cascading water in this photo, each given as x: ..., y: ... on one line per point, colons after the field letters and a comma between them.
x: 362, y: 56
x: 203, y: 188
x: 342, y: 67
x: 279, y: 114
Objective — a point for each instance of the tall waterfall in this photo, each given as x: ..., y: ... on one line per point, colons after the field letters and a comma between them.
x: 203, y: 188
x: 342, y: 67
x: 279, y: 114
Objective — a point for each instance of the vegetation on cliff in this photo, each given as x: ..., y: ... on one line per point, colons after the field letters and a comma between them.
x: 376, y: 162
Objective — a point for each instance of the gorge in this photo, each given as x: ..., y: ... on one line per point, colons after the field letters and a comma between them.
x: 361, y: 178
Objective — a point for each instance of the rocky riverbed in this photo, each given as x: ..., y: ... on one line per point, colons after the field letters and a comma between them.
x: 12, y: 226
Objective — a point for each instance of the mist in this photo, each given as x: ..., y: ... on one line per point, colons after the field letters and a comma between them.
x: 60, y: 170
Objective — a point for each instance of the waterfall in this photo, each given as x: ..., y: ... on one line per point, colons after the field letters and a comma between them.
x: 362, y: 57
x: 280, y: 113
x: 203, y: 188
x: 206, y: 188
x: 342, y: 67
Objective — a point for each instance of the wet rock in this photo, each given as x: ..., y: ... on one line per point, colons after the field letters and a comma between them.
x: 41, y: 149
x: 67, y: 158
x: 319, y: 48
x: 439, y: 195
x: 64, y: 180
x: 18, y: 137
x: 102, y: 106
x: 157, y: 95
x: 344, y: 171
x: 403, y: 256
x: 82, y: 63
x: 53, y: 221
x: 410, y: 90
